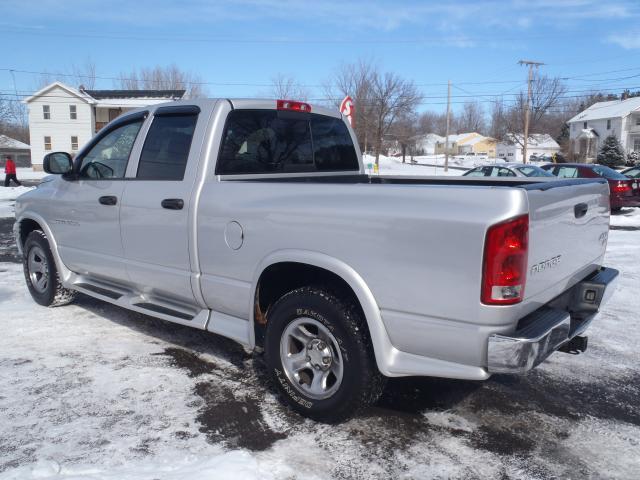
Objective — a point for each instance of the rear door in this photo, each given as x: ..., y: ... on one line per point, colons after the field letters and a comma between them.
x: 156, y: 204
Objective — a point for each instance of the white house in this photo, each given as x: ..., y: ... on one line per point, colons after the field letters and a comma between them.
x: 539, y: 144
x: 62, y: 118
x: 589, y: 128
x: 426, y: 144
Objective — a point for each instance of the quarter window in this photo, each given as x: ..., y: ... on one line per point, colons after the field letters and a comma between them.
x: 108, y: 158
x: 73, y: 112
x: 46, y: 112
x: 166, y: 148
x: 47, y: 143
x: 74, y: 143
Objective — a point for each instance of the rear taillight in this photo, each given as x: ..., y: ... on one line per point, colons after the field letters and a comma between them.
x: 621, y: 186
x: 504, y: 266
x: 293, y: 105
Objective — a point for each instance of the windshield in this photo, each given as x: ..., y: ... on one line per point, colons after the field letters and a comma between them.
x: 534, y: 171
x: 608, y: 173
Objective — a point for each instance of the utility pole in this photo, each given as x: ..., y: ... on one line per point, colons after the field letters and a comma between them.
x: 446, y: 141
x: 525, y: 142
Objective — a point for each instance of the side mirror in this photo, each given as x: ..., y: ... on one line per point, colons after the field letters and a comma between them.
x: 57, y: 163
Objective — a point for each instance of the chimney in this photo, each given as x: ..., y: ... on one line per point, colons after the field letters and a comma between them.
x: 81, y: 88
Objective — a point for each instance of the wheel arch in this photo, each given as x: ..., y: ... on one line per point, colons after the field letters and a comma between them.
x: 323, y: 269
x: 31, y: 221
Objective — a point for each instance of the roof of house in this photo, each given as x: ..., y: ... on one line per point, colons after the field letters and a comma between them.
x: 610, y: 109
x: 536, y: 140
x: 113, y: 98
x: 428, y: 138
x: 474, y: 140
x: 460, y: 136
x: 12, y: 143
x: 109, y: 94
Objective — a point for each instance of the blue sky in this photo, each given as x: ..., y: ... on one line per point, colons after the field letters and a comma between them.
x: 595, y: 44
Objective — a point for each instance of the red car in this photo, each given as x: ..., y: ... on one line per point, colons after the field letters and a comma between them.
x: 623, y: 191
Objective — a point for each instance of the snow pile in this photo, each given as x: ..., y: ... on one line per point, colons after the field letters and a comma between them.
x: 8, y: 197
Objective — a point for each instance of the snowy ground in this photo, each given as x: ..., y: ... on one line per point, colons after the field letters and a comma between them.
x: 92, y: 391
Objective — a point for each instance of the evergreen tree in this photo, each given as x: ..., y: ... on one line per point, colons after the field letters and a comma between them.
x: 611, y: 152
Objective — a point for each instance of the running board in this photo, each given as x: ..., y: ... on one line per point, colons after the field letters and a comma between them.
x: 145, y: 304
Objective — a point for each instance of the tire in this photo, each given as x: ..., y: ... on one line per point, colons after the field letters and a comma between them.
x: 313, y: 334
x: 41, y: 273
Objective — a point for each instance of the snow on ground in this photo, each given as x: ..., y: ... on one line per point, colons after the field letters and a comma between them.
x: 394, y: 166
x: 8, y: 197
x: 626, y: 218
x: 92, y: 391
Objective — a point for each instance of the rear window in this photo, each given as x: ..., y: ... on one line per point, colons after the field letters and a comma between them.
x: 609, y: 173
x: 533, y: 171
x: 567, y: 172
x: 268, y: 141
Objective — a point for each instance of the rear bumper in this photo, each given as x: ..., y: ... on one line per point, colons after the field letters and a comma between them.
x: 544, y: 331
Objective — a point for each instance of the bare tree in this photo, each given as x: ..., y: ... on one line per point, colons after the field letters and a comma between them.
x: 355, y: 80
x: 390, y: 97
x: 546, y: 97
x: 498, y: 127
x: 471, y: 119
x: 85, y: 74
x: 404, y: 131
x: 287, y: 87
x: 163, y: 78
x: 433, y: 122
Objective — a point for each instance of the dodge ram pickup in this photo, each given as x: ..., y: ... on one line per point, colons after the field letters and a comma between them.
x: 255, y: 220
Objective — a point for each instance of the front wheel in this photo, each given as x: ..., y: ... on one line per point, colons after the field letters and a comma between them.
x: 319, y: 354
x: 41, y: 273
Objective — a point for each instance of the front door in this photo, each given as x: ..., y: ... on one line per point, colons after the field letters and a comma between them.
x: 155, y: 210
x: 85, y: 212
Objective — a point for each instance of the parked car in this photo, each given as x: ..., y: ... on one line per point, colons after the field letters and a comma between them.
x: 255, y: 220
x: 508, y: 170
x: 624, y: 192
x: 633, y: 172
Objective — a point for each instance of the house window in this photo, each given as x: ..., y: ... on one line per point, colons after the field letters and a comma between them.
x: 73, y: 113
x: 637, y: 120
x: 74, y: 143
x: 46, y: 112
x: 47, y: 143
x: 584, y: 125
x: 609, y: 124
x: 636, y: 144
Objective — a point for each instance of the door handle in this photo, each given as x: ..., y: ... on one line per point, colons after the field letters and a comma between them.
x: 172, y: 203
x: 580, y: 210
x: 108, y: 200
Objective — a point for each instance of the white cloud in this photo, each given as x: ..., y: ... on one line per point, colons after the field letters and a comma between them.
x: 627, y: 40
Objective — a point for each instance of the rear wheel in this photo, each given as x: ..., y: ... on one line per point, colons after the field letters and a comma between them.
x: 319, y: 355
x: 41, y: 273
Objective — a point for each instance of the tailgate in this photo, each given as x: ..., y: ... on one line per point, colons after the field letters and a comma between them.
x: 568, y: 228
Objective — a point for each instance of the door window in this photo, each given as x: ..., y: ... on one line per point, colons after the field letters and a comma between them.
x: 108, y: 158
x: 567, y: 172
x: 166, y: 148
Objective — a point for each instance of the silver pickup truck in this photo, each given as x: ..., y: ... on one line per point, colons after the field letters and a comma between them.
x: 255, y: 220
